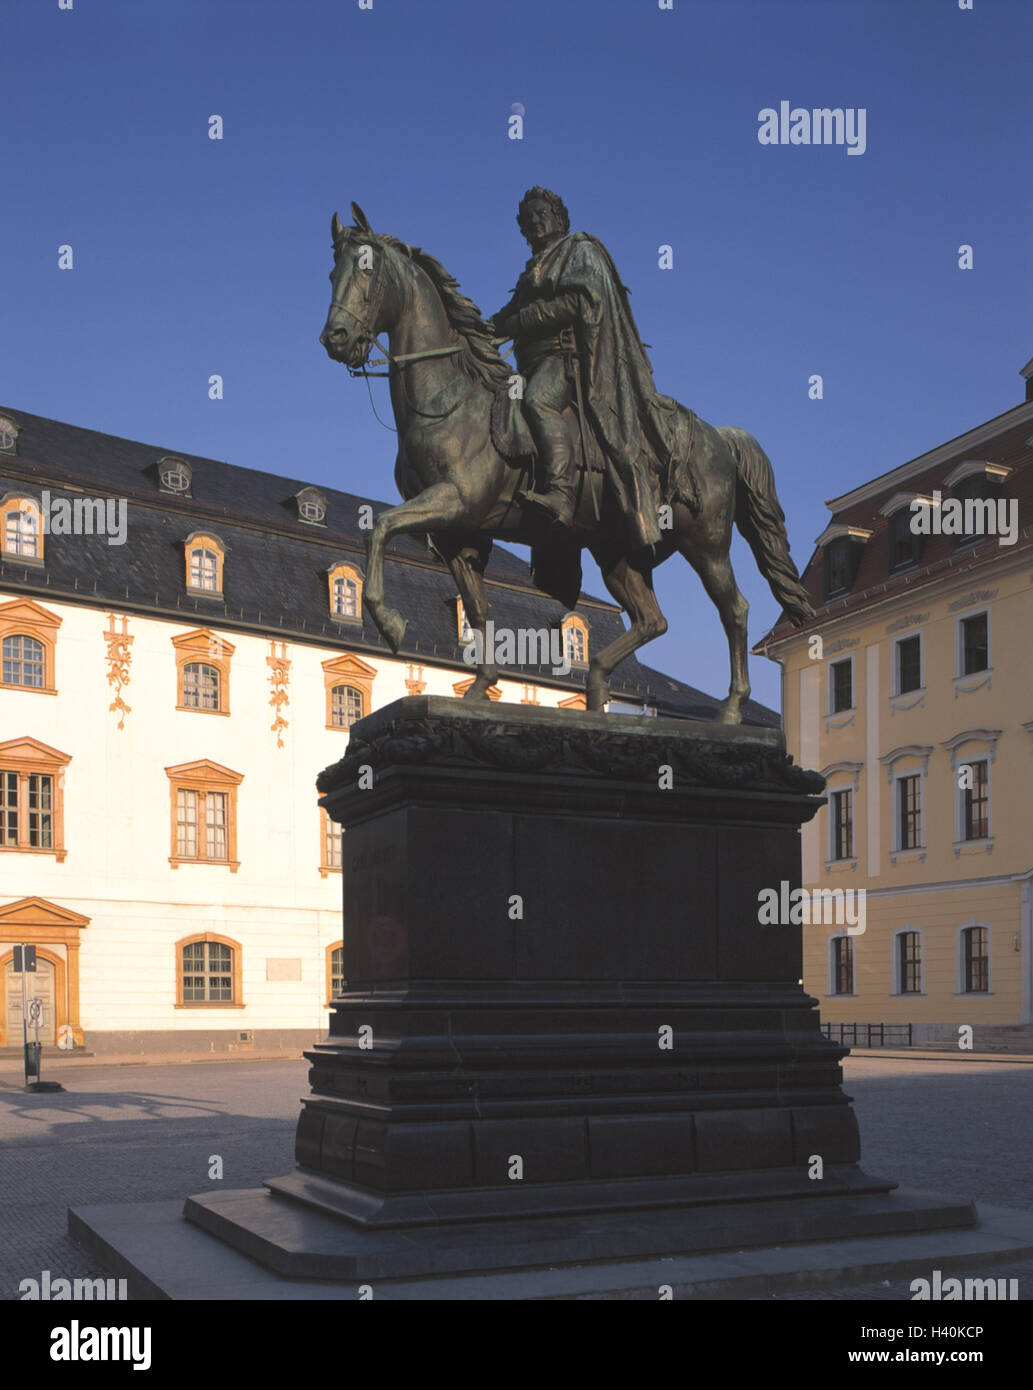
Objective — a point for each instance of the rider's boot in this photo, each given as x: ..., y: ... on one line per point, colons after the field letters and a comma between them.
x: 557, y: 502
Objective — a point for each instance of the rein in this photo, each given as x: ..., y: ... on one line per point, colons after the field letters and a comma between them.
x: 396, y: 362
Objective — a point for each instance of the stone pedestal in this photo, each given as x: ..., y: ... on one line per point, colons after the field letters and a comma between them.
x: 564, y: 1033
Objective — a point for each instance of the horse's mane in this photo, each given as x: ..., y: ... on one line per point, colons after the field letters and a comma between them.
x: 480, y: 359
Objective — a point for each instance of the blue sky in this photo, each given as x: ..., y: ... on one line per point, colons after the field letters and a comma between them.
x: 195, y: 256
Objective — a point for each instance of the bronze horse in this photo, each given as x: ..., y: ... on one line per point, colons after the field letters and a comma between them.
x: 445, y: 372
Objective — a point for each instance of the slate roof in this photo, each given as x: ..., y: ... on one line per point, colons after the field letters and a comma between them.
x: 1009, y: 443
x: 275, y: 570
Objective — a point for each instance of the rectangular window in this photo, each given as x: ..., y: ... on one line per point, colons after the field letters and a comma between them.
x: 207, y: 973
x: 843, y: 824
x: 332, y: 848
x: 910, y: 811
x: 909, y: 664
x: 842, y: 686
x: 910, y: 962
x: 336, y: 972
x: 975, y: 645
x: 977, y: 802
x: 838, y: 566
x: 31, y: 808
x: 41, y: 810
x: 215, y: 825
x: 904, y: 543
x: 204, y: 570
x: 346, y: 598
x: 843, y: 965
x: 186, y: 824
x: 977, y: 963
x: 8, y: 808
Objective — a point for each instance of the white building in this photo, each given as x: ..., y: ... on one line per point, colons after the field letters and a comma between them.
x: 177, y: 670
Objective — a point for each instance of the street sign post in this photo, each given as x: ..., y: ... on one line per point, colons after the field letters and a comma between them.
x: 24, y: 963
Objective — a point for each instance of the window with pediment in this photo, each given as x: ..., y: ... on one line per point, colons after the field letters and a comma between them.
x: 349, y: 690
x: 203, y: 671
x: 32, y: 782
x: 28, y: 643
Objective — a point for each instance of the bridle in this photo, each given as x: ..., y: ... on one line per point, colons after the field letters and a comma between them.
x: 395, y: 361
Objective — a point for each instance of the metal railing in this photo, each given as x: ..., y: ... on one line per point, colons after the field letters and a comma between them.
x: 868, y: 1034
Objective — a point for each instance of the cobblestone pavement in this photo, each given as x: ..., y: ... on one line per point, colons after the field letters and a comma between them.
x: 147, y: 1133
x: 963, y: 1128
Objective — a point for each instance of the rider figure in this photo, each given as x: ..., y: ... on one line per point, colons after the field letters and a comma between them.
x: 569, y: 300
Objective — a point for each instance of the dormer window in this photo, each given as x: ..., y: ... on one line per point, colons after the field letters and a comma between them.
x: 463, y: 627
x: 838, y: 566
x: 174, y: 476
x: 311, y: 504
x: 9, y: 432
x: 575, y: 641
x: 904, y: 540
x: 972, y: 491
x: 345, y: 593
x: 205, y: 555
x: 22, y: 534
x: 842, y: 548
x: 905, y: 544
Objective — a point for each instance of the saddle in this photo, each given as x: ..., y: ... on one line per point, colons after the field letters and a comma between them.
x: 512, y: 437
x: 511, y: 434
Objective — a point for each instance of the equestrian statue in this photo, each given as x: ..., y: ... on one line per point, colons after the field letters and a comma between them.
x: 574, y: 450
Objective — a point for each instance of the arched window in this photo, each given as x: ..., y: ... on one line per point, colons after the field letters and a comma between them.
x: 345, y: 706
x: 22, y: 534
x: 23, y: 661
x: 349, y: 690
x: 345, y: 593
x: 346, y: 597
x: 204, y: 568
x: 203, y: 671
x: 205, y: 557
x: 28, y: 637
x: 575, y: 641
x: 200, y: 685
x: 463, y: 624
x: 208, y: 972
x: 335, y: 981
x: 329, y: 845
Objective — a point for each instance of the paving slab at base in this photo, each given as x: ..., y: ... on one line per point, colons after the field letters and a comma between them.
x: 163, y: 1256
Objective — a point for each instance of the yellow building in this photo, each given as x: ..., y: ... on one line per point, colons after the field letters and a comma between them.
x: 912, y: 693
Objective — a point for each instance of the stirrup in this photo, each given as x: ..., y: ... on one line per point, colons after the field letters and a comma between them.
x: 539, y: 501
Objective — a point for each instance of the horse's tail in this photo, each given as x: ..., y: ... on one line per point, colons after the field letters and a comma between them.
x: 759, y: 516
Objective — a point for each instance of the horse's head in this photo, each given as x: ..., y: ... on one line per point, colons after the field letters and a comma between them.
x: 357, y: 303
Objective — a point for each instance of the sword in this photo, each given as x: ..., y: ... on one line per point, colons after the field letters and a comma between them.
x: 579, y: 406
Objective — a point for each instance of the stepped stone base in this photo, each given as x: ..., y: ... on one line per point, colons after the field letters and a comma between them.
x: 564, y: 1035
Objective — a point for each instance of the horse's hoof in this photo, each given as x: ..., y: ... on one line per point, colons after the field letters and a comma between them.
x: 727, y: 716
x: 393, y: 626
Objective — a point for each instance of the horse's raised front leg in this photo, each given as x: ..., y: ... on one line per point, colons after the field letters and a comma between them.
x: 433, y: 510
x: 633, y: 590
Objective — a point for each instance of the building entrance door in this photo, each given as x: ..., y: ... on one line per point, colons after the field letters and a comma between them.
x: 37, y: 986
